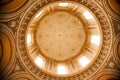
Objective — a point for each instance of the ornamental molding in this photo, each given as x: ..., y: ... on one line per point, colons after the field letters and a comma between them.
x: 116, y: 50
x: 7, y: 61
x: 90, y: 71
x: 108, y: 73
x: 116, y: 26
x: 7, y: 13
x: 112, y: 7
x: 20, y: 75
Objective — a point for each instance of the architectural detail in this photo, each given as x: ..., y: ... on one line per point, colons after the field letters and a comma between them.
x: 116, y: 24
x: 10, y: 9
x: 18, y: 67
x: 99, y: 2
x: 12, y: 24
x: 107, y: 38
x: 7, y: 57
x: 110, y: 64
x: 59, y: 39
x: 20, y: 76
x: 58, y: 34
x: 116, y: 50
x: 112, y: 7
x: 108, y: 75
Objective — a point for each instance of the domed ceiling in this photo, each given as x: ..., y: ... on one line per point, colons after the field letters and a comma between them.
x: 59, y: 39
x: 57, y: 33
x: 64, y: 39
x: 66, y: 34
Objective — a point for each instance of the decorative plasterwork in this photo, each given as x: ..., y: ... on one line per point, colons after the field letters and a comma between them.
x: 58, y: 40
x: 108, y: 74
x: 112, y: 7
x: 20, y: 76
x: 10, y: 9
x: 116, y: 50
x: 7, y: 55
x: 116, y: 25
x: 100, y: 60
x: 60, y: 34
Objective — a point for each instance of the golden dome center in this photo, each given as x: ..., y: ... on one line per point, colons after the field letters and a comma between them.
x: 60, y: 35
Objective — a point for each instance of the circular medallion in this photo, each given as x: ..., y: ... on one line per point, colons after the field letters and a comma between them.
x: 60, y: 35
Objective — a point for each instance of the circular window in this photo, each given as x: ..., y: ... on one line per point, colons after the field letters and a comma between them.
x: 63, y: 38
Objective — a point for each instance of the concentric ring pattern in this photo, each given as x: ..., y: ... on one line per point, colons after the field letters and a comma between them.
x: 64, y: 38
x: 68, y: 39
x: 60, y: 35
